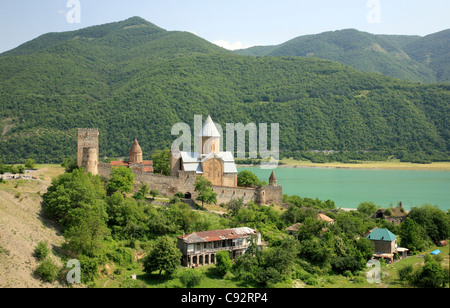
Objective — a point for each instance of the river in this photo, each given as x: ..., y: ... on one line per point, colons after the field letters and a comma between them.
x: 349, y: 187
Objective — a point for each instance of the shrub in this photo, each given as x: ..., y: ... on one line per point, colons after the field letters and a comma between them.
x: 223, y: 262
x: 388, y: 212
x: 30, y: 163
x: 89, y: 268
x: 174, y: 200
x: 311, y: 281
x: 47, y: 271
x: 179, y: 195
x: 132, y: 284
x: 359, y: 279
x: 154, y: 193
x: 431, y: 275
x: 121, y: 256
x: 191, y: 278
x: 41, y: 251
x: 405, y: 272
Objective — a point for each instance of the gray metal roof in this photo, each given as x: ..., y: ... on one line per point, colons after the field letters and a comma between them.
x: 192, y: 161
x: 209, y: 129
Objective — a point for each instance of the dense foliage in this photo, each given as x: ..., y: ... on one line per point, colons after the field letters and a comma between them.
x: 132, y: 79
x: 112, y: 228
x: 412, y: 58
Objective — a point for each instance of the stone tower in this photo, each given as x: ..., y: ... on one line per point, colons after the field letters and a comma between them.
x: 273, y: 179
x: 209, y: 138
x: 88, y: 149
x: 136, y: 155
x: 175, y: 161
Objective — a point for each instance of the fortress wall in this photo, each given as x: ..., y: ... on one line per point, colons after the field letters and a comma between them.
x: 184, y: 182
x: 226, y: 194
x: 166, y: 185
x: 104, y: 169
x: 273, y: 194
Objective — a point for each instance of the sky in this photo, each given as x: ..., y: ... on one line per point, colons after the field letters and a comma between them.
x: 232, y: 24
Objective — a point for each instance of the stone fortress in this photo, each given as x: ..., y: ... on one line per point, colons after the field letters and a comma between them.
x: 218, y: 167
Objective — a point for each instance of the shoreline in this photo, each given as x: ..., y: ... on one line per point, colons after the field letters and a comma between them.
x: 371, y: 165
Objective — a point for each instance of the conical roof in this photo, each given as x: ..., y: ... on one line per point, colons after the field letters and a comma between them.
x: 272, y: 177
x: 209, y: 129
x: 136, y: 148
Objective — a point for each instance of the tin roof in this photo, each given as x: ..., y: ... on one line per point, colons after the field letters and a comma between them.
x: 192, y: 161
x: 380, y: 234
x: 209, y: 129
x: 217, y: 235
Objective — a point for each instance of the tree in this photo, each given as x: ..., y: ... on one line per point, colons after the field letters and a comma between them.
x: 366, y: 247
x: 245, y: 268
x: 161, y: 162
x: 433, y: 220
x: 413, y: 236
x: 126, y: 217
x: 234, y: 206
x: 69, y: 164
x: 367, y: 207
x: 30, y: 163
x: 247, y: 178
x: 140, y: 195
x: 204, y: 188
x: 165, y: 256
x: 431, y: 275
x: 87, y: 235
x: 223, y: 264
x: 122, y: 179
x: 73, y: 193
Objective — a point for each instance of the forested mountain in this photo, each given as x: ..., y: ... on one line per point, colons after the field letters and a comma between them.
x: 132, y: 79
x: 412, y: 58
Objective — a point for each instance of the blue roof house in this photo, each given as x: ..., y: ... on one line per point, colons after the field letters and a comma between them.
x: 385, y: 243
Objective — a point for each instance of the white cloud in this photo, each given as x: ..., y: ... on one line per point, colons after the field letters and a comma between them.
x: 231, y: 46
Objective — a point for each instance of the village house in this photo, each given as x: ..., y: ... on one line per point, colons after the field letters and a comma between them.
x: 385, y: 243
x: 200, y: 248
x: 291, y: 230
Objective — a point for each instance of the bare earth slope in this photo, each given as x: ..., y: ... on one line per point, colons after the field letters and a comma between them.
x: 22, y: 227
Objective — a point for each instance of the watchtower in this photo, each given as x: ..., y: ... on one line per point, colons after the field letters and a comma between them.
x: 88, y: 149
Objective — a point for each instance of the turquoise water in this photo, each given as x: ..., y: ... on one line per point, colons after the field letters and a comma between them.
x: 349, y: 187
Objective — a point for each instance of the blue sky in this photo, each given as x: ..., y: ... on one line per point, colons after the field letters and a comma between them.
x: 232, y: 23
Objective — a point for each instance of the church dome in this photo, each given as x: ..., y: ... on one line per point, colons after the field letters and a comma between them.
x: 209, y: 129
x: 136, y: 148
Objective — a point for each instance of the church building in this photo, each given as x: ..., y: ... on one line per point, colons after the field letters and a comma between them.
x: 135, y: 161
x: 217, y: 166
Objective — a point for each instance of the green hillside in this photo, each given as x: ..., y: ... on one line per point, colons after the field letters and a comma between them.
x: 410, y: 58
x: 132, y: 79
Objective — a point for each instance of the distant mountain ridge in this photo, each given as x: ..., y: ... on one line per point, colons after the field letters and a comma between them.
x: 132, y: 79
x: 412, y: 58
